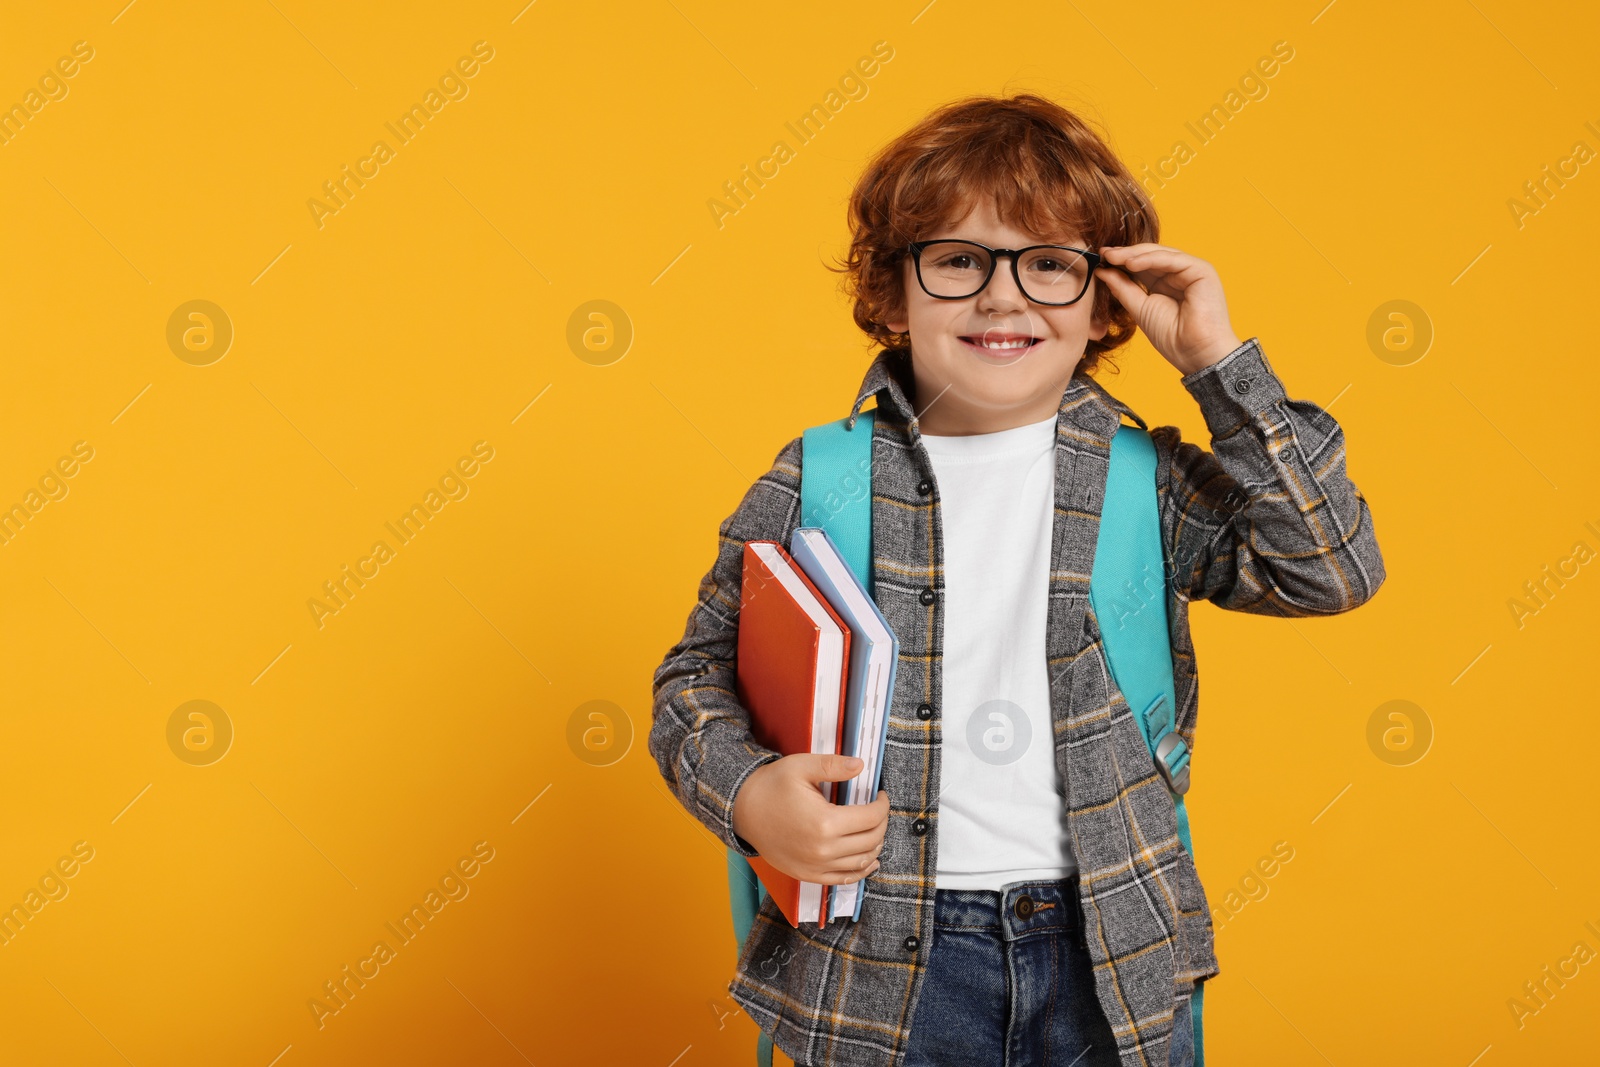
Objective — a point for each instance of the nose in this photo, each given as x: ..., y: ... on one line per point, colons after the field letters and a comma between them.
x: 1002, y: 294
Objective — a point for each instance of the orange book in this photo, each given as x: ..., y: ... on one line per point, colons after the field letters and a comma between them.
x: 793, y: 661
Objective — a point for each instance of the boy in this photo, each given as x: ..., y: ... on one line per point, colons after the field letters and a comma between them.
x: 1027, y: 897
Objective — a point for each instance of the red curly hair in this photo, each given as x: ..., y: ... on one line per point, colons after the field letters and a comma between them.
x: 1047, y: 173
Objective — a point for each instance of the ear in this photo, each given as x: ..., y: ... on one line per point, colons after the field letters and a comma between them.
x: 1097, y: 325
x: 902, y: 323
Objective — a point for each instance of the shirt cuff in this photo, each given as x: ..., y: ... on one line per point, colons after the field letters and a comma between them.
x: 739, y: 844
x: 1236, y: 388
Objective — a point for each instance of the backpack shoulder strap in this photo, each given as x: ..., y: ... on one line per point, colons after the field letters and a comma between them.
x: 1128, y: 590
x: 836, y: 488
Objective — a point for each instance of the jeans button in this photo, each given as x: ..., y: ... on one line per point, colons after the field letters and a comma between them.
x: 1024, y: 906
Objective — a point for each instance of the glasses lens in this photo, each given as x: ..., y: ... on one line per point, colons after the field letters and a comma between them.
x: 1053, y: 275
x: 954, y: 268
x: 1050, y: 274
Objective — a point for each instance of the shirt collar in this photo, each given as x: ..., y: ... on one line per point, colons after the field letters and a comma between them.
x: 1085, y: 402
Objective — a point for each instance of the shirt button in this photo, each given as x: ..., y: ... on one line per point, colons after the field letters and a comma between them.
x: 1023, y: 906
x: 924, y: 711
x: 926, y: 596
x: 1242, y: 385
x: 1286, y: 454
x: 912, y: 943
x: 919, y: 827
x: 924, y: 487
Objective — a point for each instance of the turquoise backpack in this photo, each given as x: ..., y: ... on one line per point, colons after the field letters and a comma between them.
x: 1129, y: 575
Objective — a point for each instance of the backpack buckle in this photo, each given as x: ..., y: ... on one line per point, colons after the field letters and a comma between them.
x: 1172, y: 760
x: 1170, y: 750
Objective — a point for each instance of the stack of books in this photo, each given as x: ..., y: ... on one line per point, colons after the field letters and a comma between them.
x: 816, y: 670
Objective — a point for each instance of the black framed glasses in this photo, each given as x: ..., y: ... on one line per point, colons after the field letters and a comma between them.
x: 1057, y: 275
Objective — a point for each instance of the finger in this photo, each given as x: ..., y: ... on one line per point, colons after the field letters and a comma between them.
x: 875, y: 819
x: 856, y: 858
x: 1115, y: 277
x: 851, y: 872
x: 856, y: 819
x: 845, y: 836
x: 854, y: 864
x: 863, y: 840
x: 1127, y: 252
x: 854, y: 861
x: 861, y: 815
x: 1124, y: 289
x: 1162, y: 261
x: 830, y: 767
x: 1120, y: 252
x: 1170, y: 279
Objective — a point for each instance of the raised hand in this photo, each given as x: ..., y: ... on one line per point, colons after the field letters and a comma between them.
x: 1176, y: 300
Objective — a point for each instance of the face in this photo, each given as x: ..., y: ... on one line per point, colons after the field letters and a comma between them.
x: 964, y: 387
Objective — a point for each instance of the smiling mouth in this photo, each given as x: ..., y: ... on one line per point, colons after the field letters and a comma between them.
x: 1001, y: 346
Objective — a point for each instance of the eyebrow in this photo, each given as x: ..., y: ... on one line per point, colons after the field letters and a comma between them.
x: 1069, y: 243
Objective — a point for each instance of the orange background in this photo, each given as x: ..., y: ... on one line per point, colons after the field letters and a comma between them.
x: 447, y: 702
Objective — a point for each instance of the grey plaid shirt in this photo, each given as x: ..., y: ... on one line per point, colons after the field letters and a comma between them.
x: 1269, y: 523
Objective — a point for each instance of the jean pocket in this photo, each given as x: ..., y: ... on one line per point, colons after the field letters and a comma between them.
x: 1183, y: 1034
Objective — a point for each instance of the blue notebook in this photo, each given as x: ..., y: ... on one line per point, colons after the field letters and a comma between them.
x: 869, y: 688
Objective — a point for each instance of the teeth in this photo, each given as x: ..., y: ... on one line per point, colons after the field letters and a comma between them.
x: 1007, y: 344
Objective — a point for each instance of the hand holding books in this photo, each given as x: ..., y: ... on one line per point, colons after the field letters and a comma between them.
x: 816, y: 670
x: 782, y: 812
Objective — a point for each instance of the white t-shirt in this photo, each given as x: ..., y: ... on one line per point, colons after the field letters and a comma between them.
x: 1002, y: 809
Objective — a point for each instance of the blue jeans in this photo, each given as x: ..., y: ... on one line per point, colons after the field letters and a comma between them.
x: 1010, y: 983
